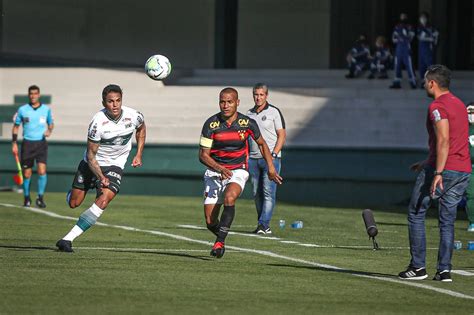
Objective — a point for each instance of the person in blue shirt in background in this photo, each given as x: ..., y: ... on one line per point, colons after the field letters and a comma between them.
x: 358, y: 58
x: 381, y: 61
x: 427, y: 41
x: 402, y: 37
x: 37, y: 126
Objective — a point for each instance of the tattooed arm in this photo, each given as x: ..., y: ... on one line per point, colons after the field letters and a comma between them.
x: 93, y: 164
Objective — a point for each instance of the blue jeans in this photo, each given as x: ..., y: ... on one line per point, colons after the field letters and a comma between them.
x: 455, y: 185
x: 264, y: 190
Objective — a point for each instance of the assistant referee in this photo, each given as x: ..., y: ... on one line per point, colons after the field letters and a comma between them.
x: 37, y: 124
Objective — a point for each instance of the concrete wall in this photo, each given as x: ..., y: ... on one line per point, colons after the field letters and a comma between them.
x: 355, y: 178
x: 111, y: 30
x: 283, y: 34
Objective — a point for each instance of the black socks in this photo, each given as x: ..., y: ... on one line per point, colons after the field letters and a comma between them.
x: 226, y: 220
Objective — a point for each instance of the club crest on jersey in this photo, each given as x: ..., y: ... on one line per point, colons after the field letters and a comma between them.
x: 242, y: 134
x: 243, y: 122
x: 214, y: 124
x: 105, y: 122
x: 128, y: 125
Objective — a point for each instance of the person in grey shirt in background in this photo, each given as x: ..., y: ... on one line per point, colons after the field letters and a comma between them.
x: 272, y: 127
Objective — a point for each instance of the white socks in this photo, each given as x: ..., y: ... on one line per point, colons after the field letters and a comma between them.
x: 87, y: 219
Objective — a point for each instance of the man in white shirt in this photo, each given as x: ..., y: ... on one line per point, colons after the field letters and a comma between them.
x: 108, y: 146
x: 272, y: 127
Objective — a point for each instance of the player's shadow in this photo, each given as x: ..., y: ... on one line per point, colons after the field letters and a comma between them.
x: 392, y: 224
x: 328, y: 269
x: 54, y: 249
x: 28, y: 248
x: 184, y: 255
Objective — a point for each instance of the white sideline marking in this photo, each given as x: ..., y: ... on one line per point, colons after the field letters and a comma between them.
x: 256, y: 251
x: 463, y: 273
x: 309, y: 245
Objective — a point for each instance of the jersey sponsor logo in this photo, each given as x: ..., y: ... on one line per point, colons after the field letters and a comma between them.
x: 105, y: 122
x: 114, y: 174
x: 128, y: 125
x: 127, y: 119
x: 117, y: 140
x: 26, y: 120
x: 243, y: 122
x: 214, y: 124
x: 436, y: 115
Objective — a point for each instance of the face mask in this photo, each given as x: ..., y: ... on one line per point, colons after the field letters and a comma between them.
x: 423, y: 20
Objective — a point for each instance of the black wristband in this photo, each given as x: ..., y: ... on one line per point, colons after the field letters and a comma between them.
x: 14, y: 137
x: 438, y: 173
x: 274, y: 155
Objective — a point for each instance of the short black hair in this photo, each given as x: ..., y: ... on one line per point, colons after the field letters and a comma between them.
x: 440, y: 74
x: 33, y: 88
x: 230, y: 90
x: 471, y: 103
x: 111, y: 88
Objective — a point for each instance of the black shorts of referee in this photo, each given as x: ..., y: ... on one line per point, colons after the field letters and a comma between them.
x: 32, y: 151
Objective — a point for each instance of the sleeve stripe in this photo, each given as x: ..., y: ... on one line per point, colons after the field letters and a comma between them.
x: 205, y: 142
x: 92, y: 140
x: 281, y: 116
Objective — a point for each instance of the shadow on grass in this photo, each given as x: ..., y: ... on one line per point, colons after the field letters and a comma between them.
x: 346, y: 271
x: 157, y: 252
x: 27, y: 248
x: 392, y: 224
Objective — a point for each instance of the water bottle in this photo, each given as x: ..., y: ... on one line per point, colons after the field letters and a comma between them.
x: 457, y: 244
x: 470, y: 245
x: 297, y: 224
x: 282, y: 224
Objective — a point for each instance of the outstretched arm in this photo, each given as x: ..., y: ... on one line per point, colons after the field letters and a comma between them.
x: 92, y: 149
x: 140, y: 136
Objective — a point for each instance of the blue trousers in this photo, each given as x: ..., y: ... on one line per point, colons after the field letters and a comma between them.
x: 264, y: 190
x: 404, y: 59
x: 425, y: 59
x: 455, y: 185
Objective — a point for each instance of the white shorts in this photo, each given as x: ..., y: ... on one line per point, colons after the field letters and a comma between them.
x: 214, y: 186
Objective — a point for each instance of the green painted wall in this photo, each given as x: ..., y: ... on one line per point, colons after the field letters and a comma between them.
x: 318, y: 176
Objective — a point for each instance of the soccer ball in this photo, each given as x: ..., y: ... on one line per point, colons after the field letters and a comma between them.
x: 158, y: 67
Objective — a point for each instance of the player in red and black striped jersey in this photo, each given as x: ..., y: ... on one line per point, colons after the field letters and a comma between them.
x: 224, y: 150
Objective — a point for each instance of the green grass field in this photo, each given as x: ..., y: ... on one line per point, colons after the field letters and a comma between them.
x: 115, y: 270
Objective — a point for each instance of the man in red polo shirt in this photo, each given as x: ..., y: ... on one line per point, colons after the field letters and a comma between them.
x: 444, y: 175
